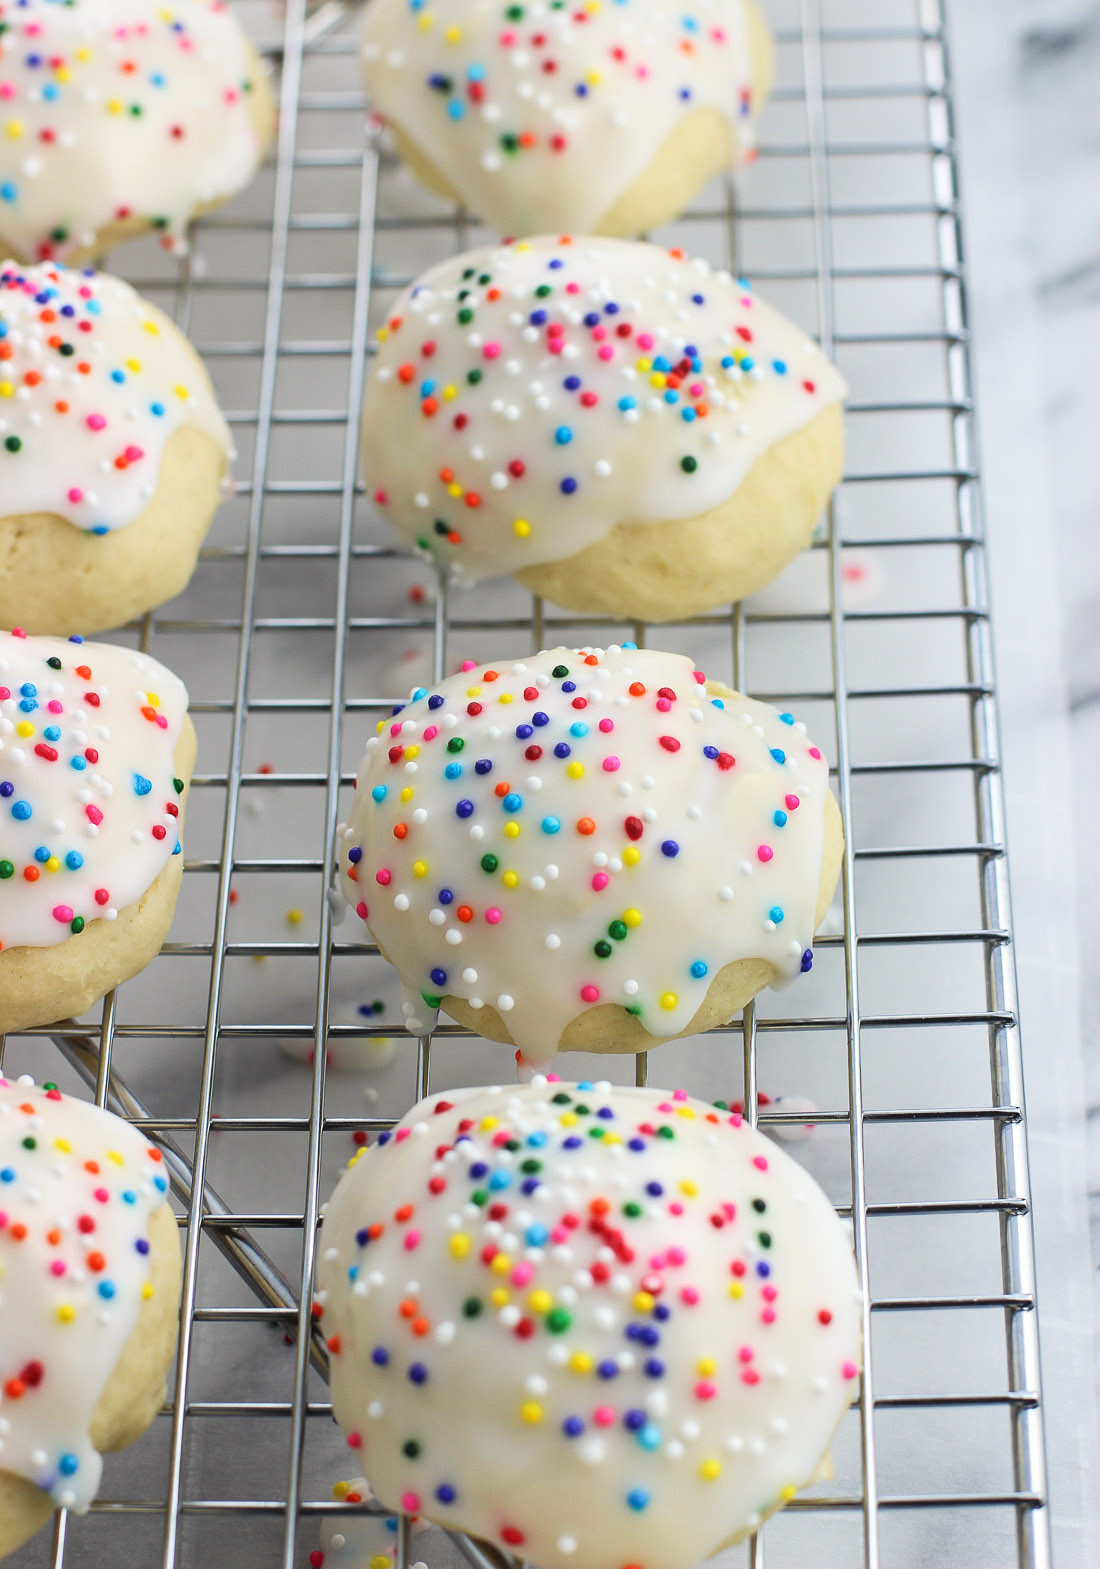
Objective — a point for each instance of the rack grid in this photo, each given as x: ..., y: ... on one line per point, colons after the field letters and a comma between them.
x: 907, y: 1032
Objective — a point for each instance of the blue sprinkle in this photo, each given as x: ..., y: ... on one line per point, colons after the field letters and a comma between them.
x: 670, y: 848
x: 698, y: 969
x: 778, y: 753
x: 378, y: 793
x: 775, y: 914
x: 142, y: 786
x: 779, y: 819
x: 464, y: 809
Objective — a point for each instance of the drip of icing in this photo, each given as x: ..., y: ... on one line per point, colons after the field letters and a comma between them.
x: 77, y: 1188
x: 595, y: 1325
x: 89, y: 801
x: 98, y: 380
x: 116, y: 109
x: 360, y: 1541
x: 542, y: 119
x: 527, y: 398
x: 581, y: 828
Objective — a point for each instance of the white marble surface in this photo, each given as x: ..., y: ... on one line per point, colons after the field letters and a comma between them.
x: 1029, y: 120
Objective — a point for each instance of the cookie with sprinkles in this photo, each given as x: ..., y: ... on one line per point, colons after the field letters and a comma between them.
x: 625, y: 430
x: 594, y: 1325
x: 96, y: 752
x: 113, y: 452
x: 589, y: 849
x: 120, y: 118
x: 606, y: 118
x: 89, y: 1299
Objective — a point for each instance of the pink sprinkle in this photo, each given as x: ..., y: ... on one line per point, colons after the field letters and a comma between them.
x: 63, y: 913
x: 603, y: 1416
x: 764, y: 852
x: 791, y: 802
x: 645, y: 340
x: 410, y: 1503
x: 76, y: 495
x: 380, y: 497
x: 382, y: 876
x: 676, y: 1208
x: 669, y: 742
x: 590, y: 994
x: 700, y: 678
x: 606, y: 726
x: 101, y: 1195
x: 769, y: 1293
x: 768, y: 1316
x: 54, y: 706
x: 849, y: 1370
x: 431, y: 732
x: 736, y: 1119
x: 814, y: 752
x: 599, y: 333
x: 401, y: 1134
x: 493, y: 916
x: 361, y: 910
x: 94, y: 815
x: 96, y: 422
x: 412, y: 1240
x: 745, y: 1354
x: 468, y: 664
x: 605, y: 352
x: 491, y: 351
x: 522, y: 1273
x: 705, y: 1390
x: 750, y: 1376
x: 600, y: 881
x: 760, y: 1162
x: 355, y: 1441
x: 57, y: 1268
x: 559, y: 1234
x: 679, y: 1095
x: 134, y: 454
x: 397, y: 728
x: 676, y: 1256
x: 663, y: 705
x: 689, y: 1296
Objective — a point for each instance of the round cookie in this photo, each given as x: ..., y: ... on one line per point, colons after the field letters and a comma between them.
x: 603, y: 120
x: 625, y: 430
x: 113, y: 453
x: 89, y: 1299
x: 589, y: 850
x: 96, y: 749
x: 592, y: 1325
x: 123, y: 117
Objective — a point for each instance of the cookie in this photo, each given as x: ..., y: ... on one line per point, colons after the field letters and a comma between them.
x: 591, y: 1325
x: 113, y: 452
x: 599, y: 120
x: 593, y: 850
x: 123, y: 117
x: 96, y: 750
x: 626, y: 431
x: 89, y: 1299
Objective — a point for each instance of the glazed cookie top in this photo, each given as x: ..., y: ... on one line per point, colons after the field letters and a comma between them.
x: 89, y: 801
x: 596, y: 1325
x: 542, y: 115
x: 118, y: 109
x: 580, y: 828
x: 93, y: 382
x: 77, y: 1188
x: 527, y: 398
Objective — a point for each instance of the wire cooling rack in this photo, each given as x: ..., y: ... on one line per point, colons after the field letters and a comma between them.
x: 304, y: 623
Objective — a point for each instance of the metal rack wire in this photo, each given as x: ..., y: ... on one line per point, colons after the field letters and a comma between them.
x: 301, y: 601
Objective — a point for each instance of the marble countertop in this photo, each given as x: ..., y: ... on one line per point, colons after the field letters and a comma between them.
x: 1029, y: 129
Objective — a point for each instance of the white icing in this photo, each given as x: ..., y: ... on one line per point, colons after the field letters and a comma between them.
x: 93, y: 382
x: 544, y: 120
x: 88, y: 800
x: 654, y: 1358
x: 686, y: 854
x: 75, y: 1204
x: 586, y: 410
x: 74, y: 154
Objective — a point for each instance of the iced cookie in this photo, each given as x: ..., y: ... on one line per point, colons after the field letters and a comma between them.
x: 626, y: 431
x: 594, y: 850
x: 89, y: 1299
x: 96, y: 750
x: 594, y: 1326
x: 121, y: 117
x: 604, y: 119
x: 113, y: 452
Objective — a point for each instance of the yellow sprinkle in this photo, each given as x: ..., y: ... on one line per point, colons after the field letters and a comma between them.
x: 684, y: 1111
x: 134, y: 365
x: 531, y: 1411
x: 540, y: 1302
x: 411, y: 752
x: 473, y: 691
x: 736, y: 1289
x: 632, y: 917
x: 15, y: 129
x: 669, y: 1001
x: 505, y: 697
x: 657, y: 379
x: 63, y: 1145
x: 152, y: 699
x: 688, y: 1188
x: 706, y: 1367
x: 501, y: 1264
x: 66, y: 1313
x: 500, y: 1296
x: 568, y: 1119
x: 453, y: 35
x: 83, y: 53
x: 53, y: 864
x: 151, y: 328
x: 24, y: 727
x: 382, y: 334
x: 420, y: 868
x: 644, y: 365
x: 575, y: 770
x: 450, y: 392
x: 63, y: 74
x: 425, y: 21
x: 511, y: 831
x: 521, y: 527
x: 644, y: 1302
x: 115, y: 1158
x: 381, y: 1561
x: 710, y: 1470
x: 146, y: 1291
x: 487, y: 1124
x: 788, y: 1492
x: 510, y: 879
x: 631, y: 856
x: 340, y: 1490
x: 593, y: 78
x: 379, y: 727
x: 524, y: 245
x: 460, y: 1245
x: 6, y: 389
x: 294, y: 917
x: 407, y: 793
x: 580, y: 1362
